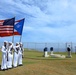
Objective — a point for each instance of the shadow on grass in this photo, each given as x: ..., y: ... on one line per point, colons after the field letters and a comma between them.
x: 44, y: 58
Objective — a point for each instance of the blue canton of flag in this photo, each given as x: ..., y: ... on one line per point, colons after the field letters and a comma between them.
x: 9, y: 21
x: 19, y: 26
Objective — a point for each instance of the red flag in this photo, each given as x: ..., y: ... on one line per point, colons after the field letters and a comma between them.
x: 6, y: 27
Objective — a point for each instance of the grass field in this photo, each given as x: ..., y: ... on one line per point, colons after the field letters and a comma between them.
x: 35, y: 64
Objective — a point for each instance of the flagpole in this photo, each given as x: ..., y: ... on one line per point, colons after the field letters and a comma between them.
x: 20, y: 38
x: 21, y: 35
x: 13, y: 35
x: 13, y: 38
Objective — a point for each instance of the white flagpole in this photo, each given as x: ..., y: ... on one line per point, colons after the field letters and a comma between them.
x: 20, y: 38
x: 21, y: 34
x: 13, y: 38
x: 13, y: 35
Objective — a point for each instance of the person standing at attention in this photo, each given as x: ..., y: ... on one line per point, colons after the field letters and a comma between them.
x: 20, y: 55
x: 4, y: 56
x: 16, y: 50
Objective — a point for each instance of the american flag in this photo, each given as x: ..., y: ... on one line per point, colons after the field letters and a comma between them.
x: 8, y: 30
x: 5, y: 30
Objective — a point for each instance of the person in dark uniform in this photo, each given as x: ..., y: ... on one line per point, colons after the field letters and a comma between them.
x: 51, y: 49
x: 69, y: 51
x: 45, y: 52
x: 45, y: 49
x: 68, y: 48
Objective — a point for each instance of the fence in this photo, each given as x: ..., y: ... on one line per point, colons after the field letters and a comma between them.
x: 58, y: 47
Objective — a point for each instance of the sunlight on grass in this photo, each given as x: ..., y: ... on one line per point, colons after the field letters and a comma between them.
x: 35, y: 64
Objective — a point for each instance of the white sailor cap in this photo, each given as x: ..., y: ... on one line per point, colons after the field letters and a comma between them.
x: 17, y: 42
x: 5, y: 41
x: 10, y: 42
x: 20, y: 43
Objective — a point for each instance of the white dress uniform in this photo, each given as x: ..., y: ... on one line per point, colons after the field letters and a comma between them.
x: 15, y: 60
x: 20, y: 56
x: 4, y: 58
x: 10, y: 56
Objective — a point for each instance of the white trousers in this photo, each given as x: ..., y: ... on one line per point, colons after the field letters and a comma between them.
x: 69, y: 53
x: 15, y: 60
x: 20, y: 59
x: 4, y: 62
x: 10, y: 58
x: 51, y: 53
x: 46, y: 54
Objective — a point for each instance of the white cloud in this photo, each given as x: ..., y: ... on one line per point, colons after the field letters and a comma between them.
x: 50, y: 20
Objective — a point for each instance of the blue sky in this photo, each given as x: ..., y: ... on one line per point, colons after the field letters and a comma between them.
x: 45, y: 20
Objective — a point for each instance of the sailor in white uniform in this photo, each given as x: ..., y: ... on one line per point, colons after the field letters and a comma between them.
x: 16, y: 50
x: 20, y: 55
x: 10, y: 55
x: 4, y: 56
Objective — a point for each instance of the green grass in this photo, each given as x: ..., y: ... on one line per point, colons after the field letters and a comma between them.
x: 35, y: 64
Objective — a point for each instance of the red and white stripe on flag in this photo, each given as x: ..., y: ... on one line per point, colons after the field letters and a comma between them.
x: 5, y: 30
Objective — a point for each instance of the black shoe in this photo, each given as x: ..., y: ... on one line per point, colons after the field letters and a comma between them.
x: 3, y: 70
x: 9, y: 68
x: 20, y: 65
x: 6, y: 69
x: 14, y: 67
